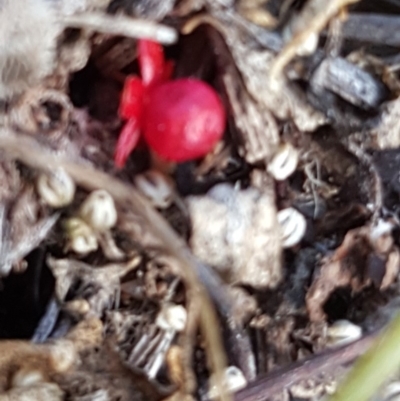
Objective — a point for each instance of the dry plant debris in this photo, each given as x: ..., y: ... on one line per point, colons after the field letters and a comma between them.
x: 260, y: 267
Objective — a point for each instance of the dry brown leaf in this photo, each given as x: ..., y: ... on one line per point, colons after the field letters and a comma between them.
x: 99, y: 285
x: 365, y: 257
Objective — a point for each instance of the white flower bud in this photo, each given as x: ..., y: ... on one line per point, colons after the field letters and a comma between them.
x: 81, y: 238
x: 293, y: 226
x: 172, y: 317
x: 284, y: 162
x: 99, y: 211
x: 155, y: 186
x: 56, y: 189
x: 233, y: 381
x: 343, y: 332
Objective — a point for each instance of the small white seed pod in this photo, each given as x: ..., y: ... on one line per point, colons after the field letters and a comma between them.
x: 172, y: 317
x: 38, y: 391
x: 293, y: 226
x: 155, y: 187
x: 343, y: 332
x: 56, y: 189
x: 99, y: 211
x: 63, y: 355
x: 233, y: 381
x: 27, y: 378
x: 77, y: 307
x: 81, y: 238
x: 284, y: 162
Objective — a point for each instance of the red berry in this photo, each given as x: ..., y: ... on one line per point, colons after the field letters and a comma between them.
x: 183, y: 119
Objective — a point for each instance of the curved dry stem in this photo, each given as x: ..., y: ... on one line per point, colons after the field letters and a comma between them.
x: 25, y: 149
x: 201, y: 19
x: 322, y: 11
x: 121, y: 25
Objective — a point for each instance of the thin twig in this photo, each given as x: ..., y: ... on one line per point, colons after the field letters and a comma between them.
x: 121, y: 25
x: 266, y: 387
x: 317, y: 13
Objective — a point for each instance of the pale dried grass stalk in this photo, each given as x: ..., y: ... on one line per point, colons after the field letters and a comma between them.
x: 122, y: 25
x: 317, y: 13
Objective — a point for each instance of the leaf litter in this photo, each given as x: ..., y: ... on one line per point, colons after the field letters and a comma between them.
x: 253, y: 270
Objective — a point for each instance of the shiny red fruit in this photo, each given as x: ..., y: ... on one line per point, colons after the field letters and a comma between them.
x: 183, y: 119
